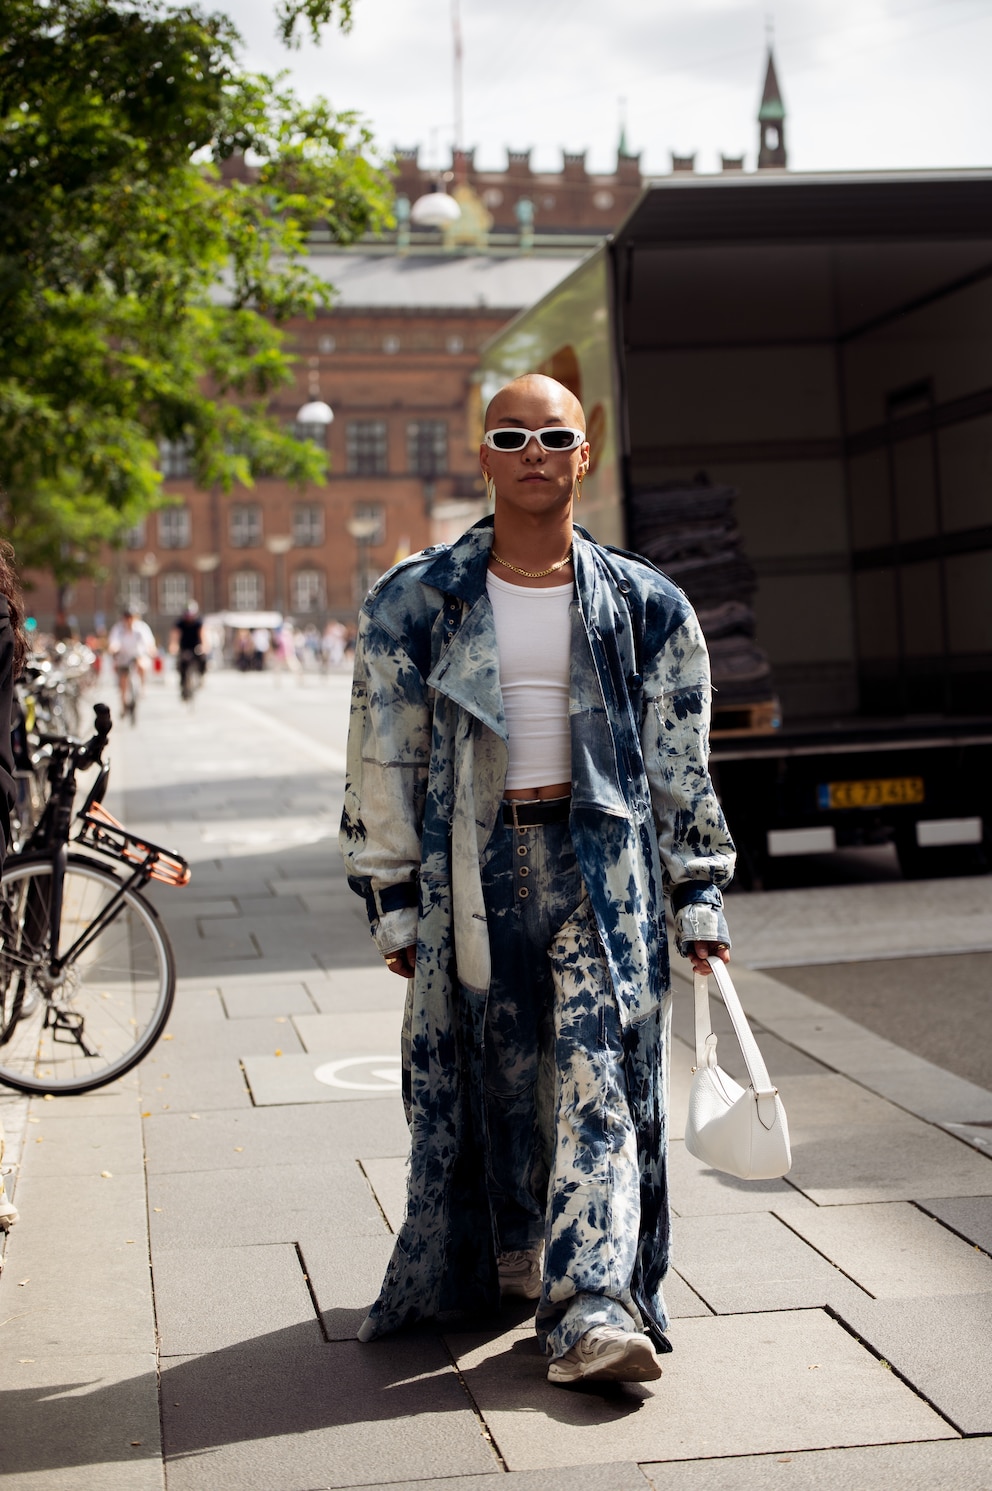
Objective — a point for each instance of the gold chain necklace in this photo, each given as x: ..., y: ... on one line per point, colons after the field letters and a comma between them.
x: 533, y: 574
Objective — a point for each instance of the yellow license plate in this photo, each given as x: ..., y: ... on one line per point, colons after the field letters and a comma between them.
x: 882, y: 792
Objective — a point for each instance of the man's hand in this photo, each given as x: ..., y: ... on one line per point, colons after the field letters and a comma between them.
x: 404, y: 961
x: 702, y: 951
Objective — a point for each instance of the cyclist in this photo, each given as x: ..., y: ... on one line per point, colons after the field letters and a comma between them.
x: 186, y: 644
x: 131, y: 644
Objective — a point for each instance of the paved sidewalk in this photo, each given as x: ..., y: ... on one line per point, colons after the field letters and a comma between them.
x: 199, y: 1244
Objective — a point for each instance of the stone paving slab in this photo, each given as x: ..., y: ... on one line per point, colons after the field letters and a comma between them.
x: 977, y: 1135
x: 192, y: 1007
x: 360, y: 1032
x: 95, y: 1300
x: 698, y: 1191
x: 894, y: 1250
x: 387, y: 1177
x: 291, y: 1079
x: 743, y: 1264
x: 790, y: 1380
x: 681, y: 1299
x: 266, y: 1000
x: 85, y: 1145
x: 281, y: 1412
x: 961, y: 1464
x: 344, y: 1281
x: 790, y: 927
x: 969, y: 1216
x: 594, y: 1478
x: 231, y: 1208
x: 193, y: 1084
x: 823, y: 1100
x: 209, y: 1298
x: 70, y: 1424
x: 850, y: 1163
x: 943, y: 1346
x: 257, y: 1138
x: 217, y: 1036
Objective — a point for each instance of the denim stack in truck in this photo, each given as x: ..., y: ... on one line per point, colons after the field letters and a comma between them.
x: 688, y: 529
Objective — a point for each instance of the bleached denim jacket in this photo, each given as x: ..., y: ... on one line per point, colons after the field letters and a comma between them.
x: 427, y: 760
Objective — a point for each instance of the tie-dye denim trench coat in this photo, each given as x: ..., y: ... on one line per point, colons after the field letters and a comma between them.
x: 427, y: 760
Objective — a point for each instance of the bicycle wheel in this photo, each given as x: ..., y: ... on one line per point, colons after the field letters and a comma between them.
x: 104, y: 1010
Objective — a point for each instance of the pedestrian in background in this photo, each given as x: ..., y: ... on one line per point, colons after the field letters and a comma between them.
x: 527, y: 780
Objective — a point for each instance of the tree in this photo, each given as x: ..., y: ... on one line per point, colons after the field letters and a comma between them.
x: 142, y: 286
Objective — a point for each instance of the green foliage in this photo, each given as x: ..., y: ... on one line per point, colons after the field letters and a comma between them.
x: 142, y: 287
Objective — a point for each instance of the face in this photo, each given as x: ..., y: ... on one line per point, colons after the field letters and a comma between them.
x: 534, y: 480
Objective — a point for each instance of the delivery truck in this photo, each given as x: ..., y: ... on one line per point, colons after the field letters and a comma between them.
x: 788, y: 391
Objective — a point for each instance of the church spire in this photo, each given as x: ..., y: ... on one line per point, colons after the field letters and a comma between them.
x: 771, y: 122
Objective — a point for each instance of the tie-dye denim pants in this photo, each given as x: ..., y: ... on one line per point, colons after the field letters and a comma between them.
x: 561, y: 1140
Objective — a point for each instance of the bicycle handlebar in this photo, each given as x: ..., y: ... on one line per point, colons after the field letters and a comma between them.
x: 92, y: 752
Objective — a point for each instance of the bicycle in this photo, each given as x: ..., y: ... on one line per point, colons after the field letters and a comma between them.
x: 129, y: 676
x: 87, y: 974
x: 191, y: 665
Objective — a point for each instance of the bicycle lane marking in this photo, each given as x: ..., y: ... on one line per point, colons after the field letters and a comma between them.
x: 385, y: 1069
x: 326, y: 755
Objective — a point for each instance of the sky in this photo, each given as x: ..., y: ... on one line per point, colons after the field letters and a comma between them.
x: 867, y: 84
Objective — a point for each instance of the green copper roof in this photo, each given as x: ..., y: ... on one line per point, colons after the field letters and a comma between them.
x: 772, y: 107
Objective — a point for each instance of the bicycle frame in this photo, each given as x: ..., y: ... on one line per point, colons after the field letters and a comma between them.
x: 98, y: 831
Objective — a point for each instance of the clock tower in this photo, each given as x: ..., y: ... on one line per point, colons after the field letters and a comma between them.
x: 771, y: 123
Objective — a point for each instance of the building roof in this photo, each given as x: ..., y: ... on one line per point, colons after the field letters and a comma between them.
x: 772, y: 108
x: 441, y: 281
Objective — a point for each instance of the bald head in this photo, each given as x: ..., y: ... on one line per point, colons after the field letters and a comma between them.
x: 533, y: 401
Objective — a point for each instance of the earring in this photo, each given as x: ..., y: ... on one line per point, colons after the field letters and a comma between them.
x: 577, y: 488
x: 490, y: 490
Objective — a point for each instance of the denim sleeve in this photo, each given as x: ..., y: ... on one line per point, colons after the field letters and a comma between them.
x: 697, y: 852
x: 385, y: 785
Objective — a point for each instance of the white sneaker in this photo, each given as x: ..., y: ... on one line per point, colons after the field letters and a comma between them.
x: 607, y: 1354
x: 520, y: 1273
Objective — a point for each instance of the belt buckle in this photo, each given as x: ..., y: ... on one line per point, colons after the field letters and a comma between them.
x: 514, y: 803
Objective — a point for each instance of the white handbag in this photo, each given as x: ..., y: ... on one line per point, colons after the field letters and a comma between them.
x: 743, y: 1132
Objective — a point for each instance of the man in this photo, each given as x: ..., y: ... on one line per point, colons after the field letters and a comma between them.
x: 186, y: 645
x: 131, y: 644
x: 526, y: 780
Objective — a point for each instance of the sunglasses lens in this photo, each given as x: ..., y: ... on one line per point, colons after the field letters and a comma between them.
x: 508, y: 439
x: 553, y: 439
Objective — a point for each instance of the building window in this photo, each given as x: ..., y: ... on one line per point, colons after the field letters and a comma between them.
x: 391, y: 344
x: 134, y: 537
x: 455, y: 344
x: 246, y: 525
x: 308, y: 591
x: 308, y: 525
x: 175, y: 457
x: 367, y: 447
x: 246, y: 590
x: 368, y: 524
x: 326, y: 345
x: 134, y: 594
x: 313, y: 431
x: 174, y: 591
x: 427, y: 447
x: 174, y: 528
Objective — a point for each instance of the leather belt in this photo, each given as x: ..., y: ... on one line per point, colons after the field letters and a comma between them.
x: 531, y: 812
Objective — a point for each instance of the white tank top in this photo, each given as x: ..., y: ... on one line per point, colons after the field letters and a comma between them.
x: 533, y: 634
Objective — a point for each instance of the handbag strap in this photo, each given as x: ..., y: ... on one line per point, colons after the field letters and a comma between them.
x: 706, y: 1041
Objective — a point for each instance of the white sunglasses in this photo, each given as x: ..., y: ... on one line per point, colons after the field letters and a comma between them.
x: 552, y: 438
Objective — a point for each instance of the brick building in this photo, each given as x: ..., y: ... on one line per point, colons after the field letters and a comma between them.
x: 396, y: 360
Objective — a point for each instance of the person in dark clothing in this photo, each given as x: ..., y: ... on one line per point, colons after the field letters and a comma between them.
x: 12, y: 649
x: 187, y: 647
